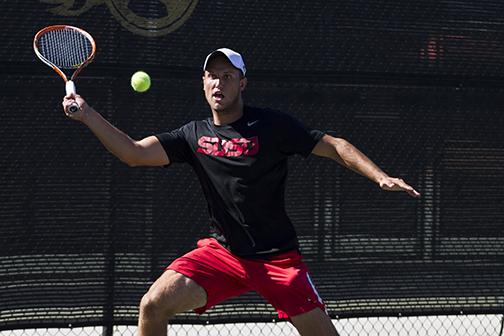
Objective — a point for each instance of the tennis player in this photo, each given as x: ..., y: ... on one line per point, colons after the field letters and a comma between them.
x: 240, y: 157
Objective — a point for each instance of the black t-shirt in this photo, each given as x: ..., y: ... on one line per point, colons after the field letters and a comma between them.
x: 242, y: 168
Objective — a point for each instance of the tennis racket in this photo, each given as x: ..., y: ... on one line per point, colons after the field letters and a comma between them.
x: 67, y: 50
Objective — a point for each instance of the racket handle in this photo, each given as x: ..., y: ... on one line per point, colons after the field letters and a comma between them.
x: 70, y: 89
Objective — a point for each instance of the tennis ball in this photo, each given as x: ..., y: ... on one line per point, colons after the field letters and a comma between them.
x: 140, y: 81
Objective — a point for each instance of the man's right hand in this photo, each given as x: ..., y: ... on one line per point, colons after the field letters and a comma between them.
x: 81, y: 112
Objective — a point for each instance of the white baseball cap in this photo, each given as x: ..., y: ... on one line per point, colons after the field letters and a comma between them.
x: 233, y: 57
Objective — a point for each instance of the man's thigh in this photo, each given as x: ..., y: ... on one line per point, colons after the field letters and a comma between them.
x: 176, y: 293
x: 315, y: 322
x: 214, y: 269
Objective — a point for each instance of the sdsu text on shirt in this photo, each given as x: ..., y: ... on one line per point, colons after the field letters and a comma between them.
x: 232, y: 147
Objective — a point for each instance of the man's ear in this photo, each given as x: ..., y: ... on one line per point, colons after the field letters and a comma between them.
x: 243, y: 83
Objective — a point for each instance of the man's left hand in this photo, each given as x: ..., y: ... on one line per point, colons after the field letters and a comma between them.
x: 397, y: 184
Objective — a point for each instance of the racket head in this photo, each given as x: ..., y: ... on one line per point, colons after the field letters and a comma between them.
x: 64, y: 47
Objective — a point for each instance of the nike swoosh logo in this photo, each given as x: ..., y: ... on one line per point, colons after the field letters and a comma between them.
x: 250, y: 123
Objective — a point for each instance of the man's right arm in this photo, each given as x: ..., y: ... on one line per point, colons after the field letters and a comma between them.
x: 145, y: 152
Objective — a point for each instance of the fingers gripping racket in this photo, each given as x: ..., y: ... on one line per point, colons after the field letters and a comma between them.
x: 67, y: 50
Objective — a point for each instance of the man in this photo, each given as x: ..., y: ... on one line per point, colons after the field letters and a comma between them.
x: 240, y: 156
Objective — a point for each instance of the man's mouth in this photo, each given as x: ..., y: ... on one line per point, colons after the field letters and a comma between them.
x: 218, y: 96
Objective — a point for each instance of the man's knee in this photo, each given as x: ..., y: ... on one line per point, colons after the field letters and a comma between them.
x: 314, y: 322
x: 171, y: 294
x: 156, y: 306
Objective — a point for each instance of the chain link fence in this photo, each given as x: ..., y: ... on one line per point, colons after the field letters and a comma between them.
x: 459, y: 325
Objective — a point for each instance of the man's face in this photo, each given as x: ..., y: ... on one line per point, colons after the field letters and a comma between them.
x: 223, y: 84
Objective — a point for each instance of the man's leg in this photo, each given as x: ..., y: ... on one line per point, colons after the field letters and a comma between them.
x: 172, y: 293
x: 315, y: 322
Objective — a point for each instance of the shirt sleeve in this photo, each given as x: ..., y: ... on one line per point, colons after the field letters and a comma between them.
x: 176, y: 145
x: 296, y: 138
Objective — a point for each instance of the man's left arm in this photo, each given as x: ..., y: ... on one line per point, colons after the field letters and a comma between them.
x: 350, y: 157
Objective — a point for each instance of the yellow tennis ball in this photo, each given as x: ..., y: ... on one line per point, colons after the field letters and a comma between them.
x: 140, y: 81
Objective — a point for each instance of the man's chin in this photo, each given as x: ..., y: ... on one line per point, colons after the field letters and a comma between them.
x: 219, y: 108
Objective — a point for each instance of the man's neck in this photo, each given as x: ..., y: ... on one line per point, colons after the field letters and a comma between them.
x: 228, y: 116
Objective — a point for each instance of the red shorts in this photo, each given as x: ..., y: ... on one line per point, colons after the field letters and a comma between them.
x: 283, y: 280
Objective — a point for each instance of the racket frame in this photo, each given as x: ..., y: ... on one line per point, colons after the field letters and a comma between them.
x: 69, y: 84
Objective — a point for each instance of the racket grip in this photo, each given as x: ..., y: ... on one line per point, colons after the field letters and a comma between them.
x: 70, y: 89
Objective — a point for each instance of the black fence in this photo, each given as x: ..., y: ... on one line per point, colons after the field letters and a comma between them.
x: 417, y: 86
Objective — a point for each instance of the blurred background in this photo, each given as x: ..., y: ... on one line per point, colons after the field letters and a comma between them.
x: 417, y: 86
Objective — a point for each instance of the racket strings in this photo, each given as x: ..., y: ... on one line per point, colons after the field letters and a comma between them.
x: 65, y: 48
